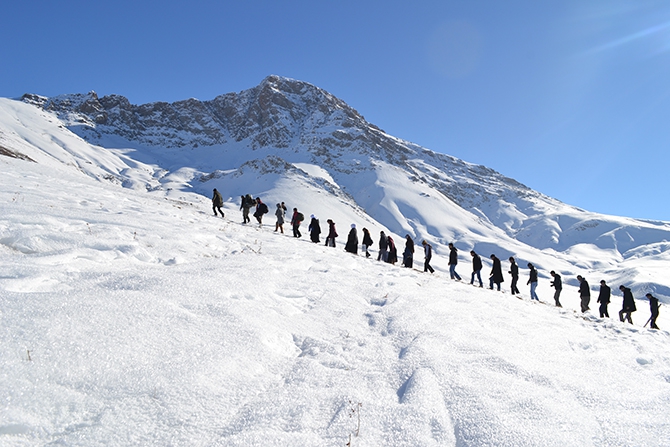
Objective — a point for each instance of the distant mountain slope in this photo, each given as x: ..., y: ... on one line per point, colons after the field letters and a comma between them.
x: 287, y: 132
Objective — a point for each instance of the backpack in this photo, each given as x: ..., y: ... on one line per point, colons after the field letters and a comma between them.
x: 248, y: 201
x: 263, y: 208
x: 301, y: 217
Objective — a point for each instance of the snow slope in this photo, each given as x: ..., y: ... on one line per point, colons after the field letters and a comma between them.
x: 135, y: 317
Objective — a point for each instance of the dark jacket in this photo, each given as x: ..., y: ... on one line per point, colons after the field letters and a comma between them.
x: 496, y: 271
x: 533, y: 275
x: 584, y: 289
x: 383, y: 242
x: 514, y: 270
x: 409, y: 247
x: 453, y: 256
x: 604, y: 295
x: 314, y: 229
x: 352, y: 242
x: 393, y: 252
x: 557, y: 283
x: 653, y: 305
x: 332, y: 234
x: 217, y: 200
x: 367, y: 239
x: 476, y: 263
x: 628, y: 301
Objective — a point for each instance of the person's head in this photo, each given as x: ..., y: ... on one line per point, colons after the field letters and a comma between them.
x: 295, y: 209
x: 472, y: 252
x: 258, y: 199
x: 451, y: 245
x: 279, y: 205
x: 353, y: 226
x: 602, y: 282
x: 622, y: 287
x: 423, y: 242
x: 312, y: 216
x: 214, y: 189
x: 493, y: 256
x: 511, y: 259
x: 530, y: 266
x: 552, y: 273
x: 330, y: 221
x: 649, y: 295
x: 579, y: 277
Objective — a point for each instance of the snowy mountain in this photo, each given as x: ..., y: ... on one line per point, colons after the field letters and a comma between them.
x: 129, y: 315
x: 288, y: 140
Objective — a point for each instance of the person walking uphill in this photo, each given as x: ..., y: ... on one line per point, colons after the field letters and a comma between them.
x: 533, y: 282
x: 408, y: 254
x: 247, y: 203
x: 352, y: 241
x: 261, y: 209
x: 496, y: 276
x: 604, y: 299
x: 295, y: 222
x: 280, y: 218
x: 392, y: 256
x: 367, y: 241
x: 332, y: 234
x: 557, y: 284
x: 453, y: 261
x: 217, y: 202
x: 314, y: 229
x: 383, y: 247
x: 653, y: 307
x: 476, y: 268
x: 628, y: 305
x: 428, y: 253
x: 514, y: 271
x: 584, y: 293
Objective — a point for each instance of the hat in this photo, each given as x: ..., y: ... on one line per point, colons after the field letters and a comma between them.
x: 312, y: 216
x: 353, y: 225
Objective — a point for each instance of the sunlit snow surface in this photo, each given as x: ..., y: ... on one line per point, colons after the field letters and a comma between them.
x: 128, y: 318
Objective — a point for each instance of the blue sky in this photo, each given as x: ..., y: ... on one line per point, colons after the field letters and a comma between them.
x: 570, y: 97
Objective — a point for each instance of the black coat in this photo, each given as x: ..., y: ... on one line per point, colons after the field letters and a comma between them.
x: 453, y: 256
x: 557, y: 283
x: 533, y: 276
x: 217, y: 200
x: 496, y: 271
x: 584, y: 289
x: 514, y: 270
x: 628, y: 301
x: 476, y: 263
x: 314, y: 229
x: 367, y: 240
x: 352, y: 242
x: 653, y: 306
x: 604, y: 295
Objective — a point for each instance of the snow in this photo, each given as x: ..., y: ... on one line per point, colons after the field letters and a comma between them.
x: 133, y: 316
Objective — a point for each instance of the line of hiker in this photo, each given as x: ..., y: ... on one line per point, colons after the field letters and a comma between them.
x: 388, y: 253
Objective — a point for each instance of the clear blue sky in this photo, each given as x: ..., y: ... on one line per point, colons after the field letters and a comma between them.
x: 570, y: 97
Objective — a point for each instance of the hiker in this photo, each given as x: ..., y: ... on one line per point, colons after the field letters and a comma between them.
x: 392, y: 257
x: 453, y: 261
x: 261, y: 209
x: 296, y: 219
x: 217, y: 202
x: 628, y: 305
x: 314, y: 229
x: 383, y: 247
x: 408, y: 254
x: 332, y: 234
x: 428, y: 253
x: 653, y: 307
x: 514, y: 271
x: 280, y: 213
x: 584, y: 293
x: 496, y: 276
x: 557, y: 284
x: 352, y: 241
x: 247, y: 203
x: 604, y: 298
x: 532, y: 280
x: 476, y: 268
x: 367, y: 242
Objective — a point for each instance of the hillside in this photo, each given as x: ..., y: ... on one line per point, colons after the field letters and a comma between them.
x: 137, y: 318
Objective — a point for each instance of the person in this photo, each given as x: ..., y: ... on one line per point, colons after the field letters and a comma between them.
x: 383, y: 247
x: 261, y: 209
x: 584, y: 293
x: 628, y: 305
x: 408, y: 254
x: 604, y: 298
x: 496, y: 276
x: 217, y: 202
x: 476, y: 268
x: 428, y: 253
x: 247, y: 203
x: 352, y: 241
x: 453, y: 261
x: 280, y: 218
x: 557, y: 284
x: 514, y: 271
x: 653, y: 307
x: 367, y: 242
x: 332, y: 234
x: 532, y: 280
x: 314, y: 229
x: 392, y: 257
x: 296, y: 219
